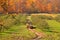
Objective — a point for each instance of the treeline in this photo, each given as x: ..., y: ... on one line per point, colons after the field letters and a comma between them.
x: 28, y: 6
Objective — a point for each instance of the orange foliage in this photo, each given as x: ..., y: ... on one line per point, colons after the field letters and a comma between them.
x: 25, y: 5
x: 49, y: 7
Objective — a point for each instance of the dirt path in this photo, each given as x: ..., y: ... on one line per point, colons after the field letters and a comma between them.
x: 39, y: 35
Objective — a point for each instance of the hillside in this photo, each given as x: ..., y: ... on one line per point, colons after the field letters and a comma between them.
x: 13, y: 27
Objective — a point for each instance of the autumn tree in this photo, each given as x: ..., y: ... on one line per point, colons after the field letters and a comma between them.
x: 4, y: 5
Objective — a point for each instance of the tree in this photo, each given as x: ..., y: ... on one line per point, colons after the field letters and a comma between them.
x: 4, y: 5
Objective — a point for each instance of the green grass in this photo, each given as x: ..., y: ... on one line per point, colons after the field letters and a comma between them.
x: 54, y: 25
x: 19, y: 30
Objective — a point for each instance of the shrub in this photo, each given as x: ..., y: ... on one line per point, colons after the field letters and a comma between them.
x: 57, y: 18
x: 7, y: 21
x: 46, y: 17
x: 40, y: 23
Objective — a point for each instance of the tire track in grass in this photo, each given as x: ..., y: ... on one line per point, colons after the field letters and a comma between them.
x: 39, y: 35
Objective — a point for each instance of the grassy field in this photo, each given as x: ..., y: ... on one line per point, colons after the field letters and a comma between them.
x: 18, y: 32
x: 54, y: 33
x: 54, y: 25
x: 14, y: 27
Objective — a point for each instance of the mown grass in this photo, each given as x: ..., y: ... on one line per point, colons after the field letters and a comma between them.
x: 54, y: 25
x: 18, y: 31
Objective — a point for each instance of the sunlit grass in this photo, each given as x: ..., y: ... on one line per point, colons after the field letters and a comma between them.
x: 54, y: 25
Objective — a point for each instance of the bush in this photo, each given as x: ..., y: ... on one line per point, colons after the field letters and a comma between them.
x: 40, y: 23
x: 57, y: 18
x: 7, y: 21
x: 46, y: 17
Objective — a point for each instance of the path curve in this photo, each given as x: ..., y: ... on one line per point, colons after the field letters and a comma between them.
x: 38, y: 34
